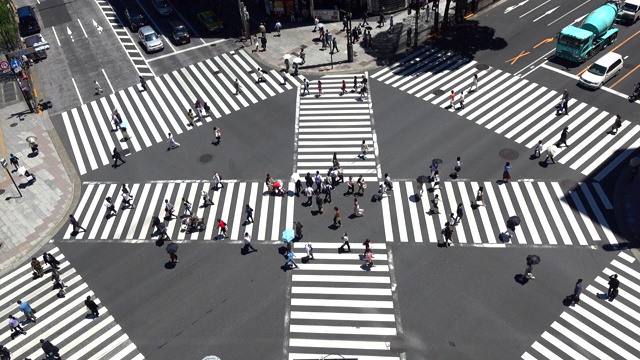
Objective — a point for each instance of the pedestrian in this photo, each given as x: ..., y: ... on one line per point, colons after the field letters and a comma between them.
x: 362, y: 185
x: 364, y: 18
x: 480, y: 197
x: 319, y: 203
x: 446, y: 232
x: 206, y: 199
x: 318, y: 179
x: 309, y: 192
x: 320, y: 88
x: 337, y: 221
x: 58, y: 283
x: 381, y: 20
x: 436, y: 180
x: 111, y: 207
x: 217, y: 181
x: 452, y: 99
x: 363, y: 150
x: 286, y: 65
x: 390, y: 22
x: 369, y: 258
x: 461, y: 100
x: 218, y: 136
x: 123, y: 131
x: 187, y: 207
x: 262, y: 29
x: 345, y: 242
x: 247, y: 243
x: 191, y: 116
x: 506, y: 174
x: 327, y: 191
x: 143, y: 83
x: 15, y: 327
x: 290, y: 260
x: 334, y: 47
x: 367, y: 245
x: 563, y: 137
x: 345, y: 22
x: 13, y: 160
x: 75, y: 224
x: 92, y: 306
x: 249, y: 211
x: 616, y: 124
x: 172, y: 142
x: 222, y: 228
x: 459, y: 213
x: 387, y: 182
x: 434, y: 205
x: 565, y: 101
x: 168, y: 209
x: 173, y: 257
x: 5, y: 354
x: 409, y: 30
x: 278, y: 26
x: 237, y: 87
x: 458, y: 166
x: 27, y: 310
x: 452, y: 219
x: 260, y: 75
x: 115, y: 118
x: 357, y: 212
x: 537, y: 149
x: 614, y: 283
x: 303, y: 56
x: 350, y: 186
x: 474, y: 85
x: 256, y: 44
x: 206, y: 110
x: 528, y: 271
x: 551, y: 150
x: 50, y: 260
x: 116, y: 156
x: 305, y: 88
x: 316, y: 21
x: 355, y: 83
x: 98, y: 87
x: 263, y: 41
x: 577, y: 290
x: 309, y: 250
x: 298, y: 229
x: 344, y: 87
x: 50, y: 349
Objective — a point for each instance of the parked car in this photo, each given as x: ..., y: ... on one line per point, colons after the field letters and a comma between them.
x: 150, y: 39
x: 602, y: 71
x: 163, y: 7
x: 135, y: 16
x: 27, y: 21
x: 210, y: 21
x: 179, y: 32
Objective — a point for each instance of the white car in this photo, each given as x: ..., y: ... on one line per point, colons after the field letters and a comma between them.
x: 602, y: 71
x: 150, y: 39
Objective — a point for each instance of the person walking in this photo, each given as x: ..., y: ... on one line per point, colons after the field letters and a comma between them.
x: 459, y: 213
x: 278, y: 26
x: 286, y: 65
x: 446, y: 232
x: 192, y: 117
x: 298, y: 228
x: 58, y: 283
x: 365, y: 17
x: 50, y: 350
x: 305, y: 89
x: 98, y: 87
x: 343, y: 88
x: 461, y: 100
x: 362, y: 185
x: 187, y: 207
x: 436, y: 180
x: 237, y: 87
x: 551, y: 150
x: 206, y: 199
x: 222, y: 228
x: 434, y: 205
x: 263, y: 42
x: 409, y: 32
x: 249, y: 211
x: 92, y: 306
x: 172, y: 142
x: 218, y: 136
x: 126, y: 201
x: 309, y: 192
x: 474, y: 85
x: 363, y: 150
x: 327, y: 188
x: 350, y: 186
x: 13, y: 160
x: 614, y: 284
x: 577, y: 290
x: 247, y: 243
x: 50, y: 260
x: 452, y: 100
x: 537, y: 149
x: 334, y: 46
x: 458, y: 166
x: 367, y: 245
x: 111, y: 207
x: 318, y: 179
x: 506, y: 173
x: 168, y: 209
x: 303, y: 55
x: 480, y: 197
x: 27, y: 310
x: 15, y: 327
x: 345, y: 242
x: 316, y: 21
x: 616, y: 124
x: 123, y: 131
x: 528, y: 271
x: 369, y: 258
x: 319, y: 203
x: 290, y: 255
x: 565, y: 102
x: 320, y: 88
x: 563, y: 137
x: 217, y: 180
x: 309, y: 250
x: 75, y: 224
x: 5, y: 353
x: 357, y: 211
x: 116, y: 156
x: 337, y: 221
x: 143, y: 83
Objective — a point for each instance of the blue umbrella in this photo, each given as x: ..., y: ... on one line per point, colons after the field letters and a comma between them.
x: 288, y: 235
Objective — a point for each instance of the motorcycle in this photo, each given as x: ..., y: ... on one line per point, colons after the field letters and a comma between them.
x: 636, y: 93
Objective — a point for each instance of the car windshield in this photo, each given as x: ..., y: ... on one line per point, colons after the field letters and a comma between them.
x: 181, y: 31
x: 630, y: 7
x: 569, y: 41
x: 150, y: 37
x: 597, y: 69
x: 162, y: 3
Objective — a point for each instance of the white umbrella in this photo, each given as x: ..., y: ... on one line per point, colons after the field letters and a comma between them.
x: 287, y: 56
x: 320, y: 25
x: 552, y: 150
x: 297, y: 60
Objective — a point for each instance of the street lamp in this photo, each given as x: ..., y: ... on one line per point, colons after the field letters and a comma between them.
x: 4, y: 165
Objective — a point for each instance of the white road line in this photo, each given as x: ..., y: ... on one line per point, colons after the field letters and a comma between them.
x: 568, y: 212
x: 264, y: 209
x: 539, y: 211
x: 451, y: 195
x: 565, y: 154
x: 177, y: 129
x: 529, y: 221
x: 484, y: 216
x: 275, y: 225
x: 585, y: 217
x: 413, y: 211
x: 618, y: 160
x: 342, y: 278
x: 599, y: 217
x: 239, y: 211
x: 74, y: 143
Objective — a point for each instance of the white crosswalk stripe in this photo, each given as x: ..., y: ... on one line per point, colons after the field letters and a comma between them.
x: 597, y: 327
x: 335, y: 122
x: 431, y: 74
x: 337, y: 303
x: 163, y: 107
x: 572, y: 217
x: 65, y: 321
x: 135, y: 224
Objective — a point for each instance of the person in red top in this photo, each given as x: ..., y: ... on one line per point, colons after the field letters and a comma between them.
x: 453, y: 99
x: 344, y: 87
x: 320, y: 88
x: 223, y: 228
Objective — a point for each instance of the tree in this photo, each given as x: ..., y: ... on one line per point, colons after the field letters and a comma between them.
x: 9, y: 37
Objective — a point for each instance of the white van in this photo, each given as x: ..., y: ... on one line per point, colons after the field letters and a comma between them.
x: 602, y: 71
x: 630, y: 11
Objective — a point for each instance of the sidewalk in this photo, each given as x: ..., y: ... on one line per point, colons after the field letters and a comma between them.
x: 28, y: 222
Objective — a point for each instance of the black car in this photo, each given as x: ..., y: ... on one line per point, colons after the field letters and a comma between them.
x: 27, y: 22
x: 136, y: 17
x: 179, y: 33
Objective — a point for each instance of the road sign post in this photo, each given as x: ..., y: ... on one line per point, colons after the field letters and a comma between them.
x: 5, y: 166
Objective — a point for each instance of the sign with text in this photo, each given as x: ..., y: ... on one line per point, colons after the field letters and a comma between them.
x: 327, y: 15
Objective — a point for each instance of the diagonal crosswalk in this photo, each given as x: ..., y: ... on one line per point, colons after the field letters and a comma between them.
x: 515, y: 108
x: 272, y: 214
x: 163, y: 107
x: 597, y: 328
x: 335, y: 122
x: 66, y: 322
x: 549, y: 215
x: 339, y: 307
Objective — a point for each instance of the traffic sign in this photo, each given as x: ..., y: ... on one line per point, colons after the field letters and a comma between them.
x: 15, y: 63
x: 4, y: 65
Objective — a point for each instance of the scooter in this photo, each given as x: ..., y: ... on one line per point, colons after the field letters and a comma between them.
x: 636, y: 93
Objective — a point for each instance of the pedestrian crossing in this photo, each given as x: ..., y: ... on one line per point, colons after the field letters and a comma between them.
x: 597, y: 328
x: 162, y: 108
x: 65, y: 322
x: 515, y: 108
x: 340, y: 308
x: 272, y: 214
x: 335, y: 122
x: 549, y: 215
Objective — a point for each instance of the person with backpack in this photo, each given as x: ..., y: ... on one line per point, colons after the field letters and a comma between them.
x: 290, y: 260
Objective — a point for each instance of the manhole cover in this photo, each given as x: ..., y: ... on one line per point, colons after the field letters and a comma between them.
x: 14, y: 124
x: 482, y: 66
x: 205, y: 158
x: 438, y: 92
x: 509, y: 154
x: 568, y: 185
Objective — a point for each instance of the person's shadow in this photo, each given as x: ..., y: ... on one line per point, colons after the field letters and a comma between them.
x: 521, y: 279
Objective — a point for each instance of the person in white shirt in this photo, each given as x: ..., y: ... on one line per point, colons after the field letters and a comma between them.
x: 247, y: 243
x: 309, y: 249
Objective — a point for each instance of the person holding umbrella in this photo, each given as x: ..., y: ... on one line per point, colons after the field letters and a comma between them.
x: 172, y: 249
x: 287, y: 236
x: 531, y: 260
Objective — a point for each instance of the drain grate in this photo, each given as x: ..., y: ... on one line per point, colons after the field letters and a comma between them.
x: 509, y: 154
x: 205, y: 158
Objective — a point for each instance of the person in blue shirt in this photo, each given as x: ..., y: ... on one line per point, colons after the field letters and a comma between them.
x: 27, y: 310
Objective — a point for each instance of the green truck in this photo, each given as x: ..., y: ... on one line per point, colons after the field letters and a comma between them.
x: 597, y: 31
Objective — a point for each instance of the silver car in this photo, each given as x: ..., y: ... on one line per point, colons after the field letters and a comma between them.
x: 150, y: 39
x: 163, y: 7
